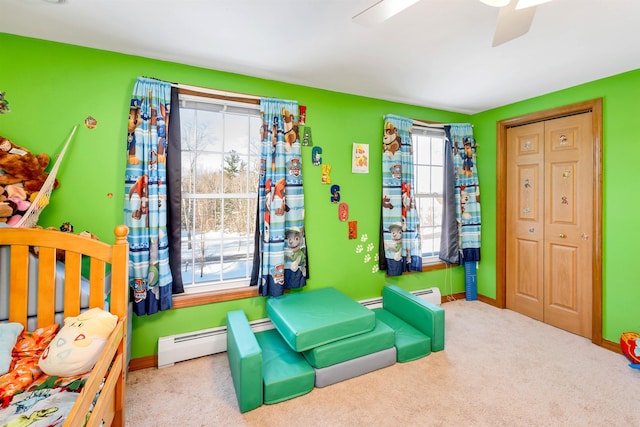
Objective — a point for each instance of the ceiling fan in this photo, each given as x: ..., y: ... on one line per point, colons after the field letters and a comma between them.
x: 514, y: 18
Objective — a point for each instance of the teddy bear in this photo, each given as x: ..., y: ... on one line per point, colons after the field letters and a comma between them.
x: 21, y: 166
x: 6, y: 208
x: 13, y: 203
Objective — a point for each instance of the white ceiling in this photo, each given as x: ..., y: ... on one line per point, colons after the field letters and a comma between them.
x: 436, y: 54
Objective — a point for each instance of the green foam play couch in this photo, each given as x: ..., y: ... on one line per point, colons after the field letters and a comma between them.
x: 263, y: 367
x: 313, y: 318
x: 418, y: 324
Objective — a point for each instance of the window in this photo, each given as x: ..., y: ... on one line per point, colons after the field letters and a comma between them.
x: 428, y: 155
x: 220, y: 177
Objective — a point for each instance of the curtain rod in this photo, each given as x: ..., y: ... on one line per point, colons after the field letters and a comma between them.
x: 429, y: 125
x: 435, y: 126
x: 217, y: 92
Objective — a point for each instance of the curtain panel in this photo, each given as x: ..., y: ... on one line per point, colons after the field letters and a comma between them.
x: 282, y: 245
x: 400, y: 225
x: 145, y: 204
x: 174, y: 194
x: 449, y: 238
x: 466, y: 189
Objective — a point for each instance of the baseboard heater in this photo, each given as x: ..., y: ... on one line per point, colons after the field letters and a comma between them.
x: 190, y: 345
x: 430, y: 294
x: 176, y: 348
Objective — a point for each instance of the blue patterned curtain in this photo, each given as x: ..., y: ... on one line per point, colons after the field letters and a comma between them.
x: 145, y: 206
x: 467, y: 190
x: 467, y: 201
x: 400, y: 221
x: 283, y: 248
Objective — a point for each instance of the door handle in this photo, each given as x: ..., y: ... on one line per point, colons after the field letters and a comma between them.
x: 562, y: 236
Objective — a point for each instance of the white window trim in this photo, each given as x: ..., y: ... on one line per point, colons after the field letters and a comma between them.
x: 204, y: 287
x: 431, y: 130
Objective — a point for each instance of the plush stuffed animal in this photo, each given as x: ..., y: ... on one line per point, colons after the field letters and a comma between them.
x: 6, y: 210
x: 20, y: 165
x: 77, y: 346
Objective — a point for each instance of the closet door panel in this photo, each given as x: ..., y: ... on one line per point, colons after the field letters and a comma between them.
x: 568, y: 223
x: 525, y: 220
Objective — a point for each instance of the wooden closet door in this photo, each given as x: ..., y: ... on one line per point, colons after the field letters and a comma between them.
x: 525, y: 220
x: 569, y: 165
x: 550, y: 222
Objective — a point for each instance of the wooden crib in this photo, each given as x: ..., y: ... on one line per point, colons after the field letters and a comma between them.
x: 108, y: 375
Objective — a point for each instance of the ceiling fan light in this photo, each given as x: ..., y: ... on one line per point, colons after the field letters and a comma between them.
x: 523, y: 4
x: 496, y: 3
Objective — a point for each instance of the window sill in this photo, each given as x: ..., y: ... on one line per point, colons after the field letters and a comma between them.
x: 192, y: 300
x: 435, y: 266
x: 202, y: 298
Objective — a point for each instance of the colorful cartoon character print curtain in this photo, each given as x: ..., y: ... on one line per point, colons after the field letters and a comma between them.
x: 400, y: 221
x: 283, y: 248
x: 145, y: 196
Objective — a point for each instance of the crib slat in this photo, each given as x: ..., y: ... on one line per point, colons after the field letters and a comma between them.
x: 72, y: 272
x: 46, y: 286
x: 96, y: 279
x: 18, y: 283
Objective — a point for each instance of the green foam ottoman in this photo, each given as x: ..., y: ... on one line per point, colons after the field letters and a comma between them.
x: 285, y: 373
x: 380, y: 338
x: 245, y: 361
x: 410, y: 343
x: 312, y: 318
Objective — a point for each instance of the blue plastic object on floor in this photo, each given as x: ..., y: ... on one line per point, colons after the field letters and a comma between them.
x: 471, y: 287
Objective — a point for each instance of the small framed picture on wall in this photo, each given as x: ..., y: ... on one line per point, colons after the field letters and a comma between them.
x: 360, y: 158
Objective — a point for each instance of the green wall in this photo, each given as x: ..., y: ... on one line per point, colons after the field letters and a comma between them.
x: 52, y: 87
x: 621, y: 110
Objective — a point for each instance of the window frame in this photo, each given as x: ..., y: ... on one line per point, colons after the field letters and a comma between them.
x: 430, y: 263
x: 233, y: 289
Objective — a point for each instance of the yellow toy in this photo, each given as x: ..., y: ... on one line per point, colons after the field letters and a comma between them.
x: 326, y: 178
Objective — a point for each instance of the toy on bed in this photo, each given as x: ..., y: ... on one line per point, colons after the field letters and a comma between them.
x: 76, y: 373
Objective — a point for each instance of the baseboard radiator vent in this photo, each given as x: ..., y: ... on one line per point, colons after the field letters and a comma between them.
x: 177, y: 348
x: 430, y: 294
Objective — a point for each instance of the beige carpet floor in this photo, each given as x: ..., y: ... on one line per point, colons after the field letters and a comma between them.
x: 499, y: 368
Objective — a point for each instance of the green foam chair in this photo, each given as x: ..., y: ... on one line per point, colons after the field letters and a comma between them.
x: 245, y: 361
x: 413, y: 319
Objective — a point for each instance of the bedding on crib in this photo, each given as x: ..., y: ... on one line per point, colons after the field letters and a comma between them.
x: 48, y: 306
x: 28, y: 396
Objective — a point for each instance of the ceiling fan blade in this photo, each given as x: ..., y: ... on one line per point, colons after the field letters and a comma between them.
x: 512, y: 23
x: 381, y: 11
x: 522, y: 4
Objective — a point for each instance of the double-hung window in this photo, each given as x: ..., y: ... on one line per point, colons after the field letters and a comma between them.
x: 219, y: 190
x: 428, y: 163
